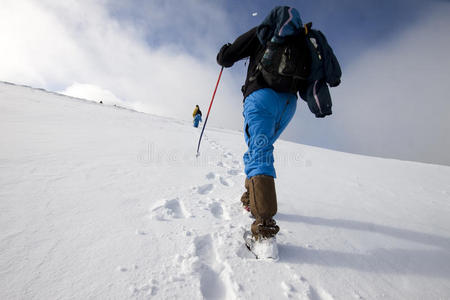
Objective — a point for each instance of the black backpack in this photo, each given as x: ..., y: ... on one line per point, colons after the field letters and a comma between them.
x: 284, y: 64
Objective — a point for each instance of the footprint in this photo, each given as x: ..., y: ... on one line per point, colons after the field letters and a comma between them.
x: 144, y: 290
x: 210, y: 175
x: 205, y: 189
x: 169, y: 209
x: 203, y: 248
x: 299, y: 288
x: 214, y: 145
x: 228, y: 155
x: 234, y: 172
x: 288, y: 289
x: 226, y: 182
x: 216, y: 210
x: 211, y: 284
x: 154, y: 287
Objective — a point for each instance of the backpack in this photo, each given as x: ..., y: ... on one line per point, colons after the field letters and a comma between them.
x: 285, y: 60
x: 197, y: 111
x: 284, y: 63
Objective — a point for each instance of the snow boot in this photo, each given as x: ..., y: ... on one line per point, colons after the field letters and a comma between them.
x: 263, y: 205
x: 245, y: 198
x: 263, y: 248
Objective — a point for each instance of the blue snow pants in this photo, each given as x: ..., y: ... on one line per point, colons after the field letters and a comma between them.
x: 197, y: 119
x: 266, y: 115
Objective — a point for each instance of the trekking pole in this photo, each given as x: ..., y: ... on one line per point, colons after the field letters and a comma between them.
x: 207, y: 115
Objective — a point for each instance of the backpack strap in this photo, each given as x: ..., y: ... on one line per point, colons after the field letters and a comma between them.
x: 307, y: 27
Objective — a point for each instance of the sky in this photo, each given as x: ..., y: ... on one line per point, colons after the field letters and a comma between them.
x: 159, y: 57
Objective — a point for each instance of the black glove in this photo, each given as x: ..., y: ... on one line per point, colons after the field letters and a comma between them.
x: 220, y: 57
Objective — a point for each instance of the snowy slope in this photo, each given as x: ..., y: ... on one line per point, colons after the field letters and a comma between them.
x: 98, y: 202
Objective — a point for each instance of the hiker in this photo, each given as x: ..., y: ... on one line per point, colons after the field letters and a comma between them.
x: 197, y: 114
x: 267, y: 112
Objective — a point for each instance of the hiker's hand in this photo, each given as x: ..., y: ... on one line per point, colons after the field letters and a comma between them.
x: 221, y: 57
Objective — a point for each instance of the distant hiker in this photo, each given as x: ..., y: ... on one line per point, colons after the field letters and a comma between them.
x: 270, y: 99
x: 197, y: 114
x: 101, y: 102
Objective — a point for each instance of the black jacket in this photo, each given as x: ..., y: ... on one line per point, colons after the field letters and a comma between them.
x: 247, y: 45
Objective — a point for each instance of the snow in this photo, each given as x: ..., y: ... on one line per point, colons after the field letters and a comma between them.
x: 102, y: 202
x: 263, y: 249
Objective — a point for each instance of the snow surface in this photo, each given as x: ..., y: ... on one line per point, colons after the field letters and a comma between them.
x: 102, y: 202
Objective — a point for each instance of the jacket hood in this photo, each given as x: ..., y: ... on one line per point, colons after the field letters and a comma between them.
x: 281, y: 22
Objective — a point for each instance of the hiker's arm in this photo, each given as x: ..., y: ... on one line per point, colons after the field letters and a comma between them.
x: 242, y: 47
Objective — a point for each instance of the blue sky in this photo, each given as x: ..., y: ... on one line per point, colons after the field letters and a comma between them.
x: 158, y: 56
x: 351, y: 25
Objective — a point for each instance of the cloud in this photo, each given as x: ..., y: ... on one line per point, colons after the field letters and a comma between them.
x: 159, y: 57
x: 91, y: 92
x: 394, y: 100
x: 88, y: 45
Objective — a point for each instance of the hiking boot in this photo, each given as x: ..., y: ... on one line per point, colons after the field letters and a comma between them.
x: 263, y: 205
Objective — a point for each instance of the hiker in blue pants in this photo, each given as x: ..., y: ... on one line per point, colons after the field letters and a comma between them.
x: 267, y: 111
x: 197, y: 115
